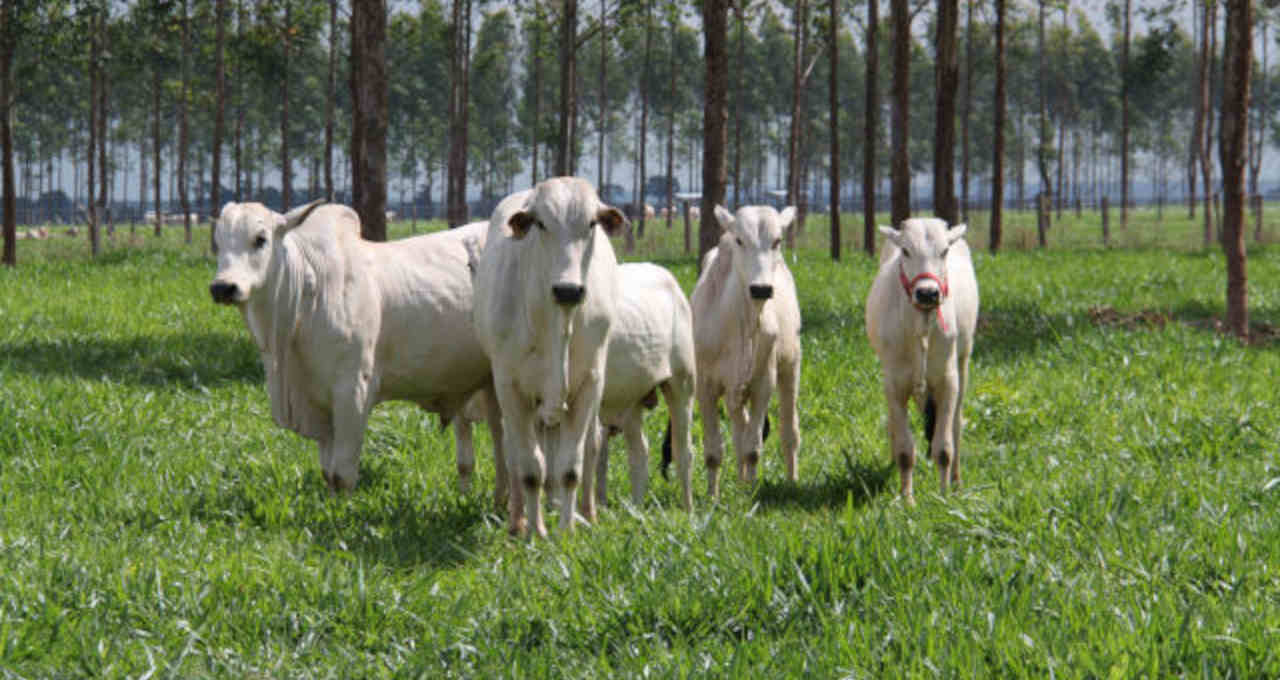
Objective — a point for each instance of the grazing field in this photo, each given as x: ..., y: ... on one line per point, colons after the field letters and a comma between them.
x: 1120, y: 515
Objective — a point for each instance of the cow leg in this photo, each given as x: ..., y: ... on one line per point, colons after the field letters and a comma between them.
x: 493, y: 415
x: 942, y: 448
x: 755, y: 410
x: 678, y: 391
x: 525, y: 466
x: 901, y: 444
x: 466, y: 452
x: 637, y: 453
x: 594, y: 448
x: 957, y: 419
x: 351, y: 406
x: 567, y: 462
x: 712, y: 443
x: 602, y: 466
x: 788, y: 388
x: 325, y: 450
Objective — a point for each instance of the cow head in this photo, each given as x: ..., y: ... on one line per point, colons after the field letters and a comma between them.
x: 559, y: 220
x: 922, y: 266
x: 244, y: 236
x: 757, y: 245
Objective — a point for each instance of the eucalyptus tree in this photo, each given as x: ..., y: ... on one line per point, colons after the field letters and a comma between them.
x: 369, y: 116
x: 492, y: 133
x: 715, y: 26
x: 946, y: 80
x: 1237, y: 68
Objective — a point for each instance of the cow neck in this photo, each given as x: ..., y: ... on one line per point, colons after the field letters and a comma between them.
x: 907, y: 285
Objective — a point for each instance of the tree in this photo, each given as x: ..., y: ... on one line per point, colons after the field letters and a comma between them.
x: 459, y: 96
x: 715, y: 26
x: 900, y: 170
x: 870, y: 130
x: 834, y: 91
x: 997, y: 153
x: 966, y: 106
x: 795, y: 183
x: 286, y: 161
x: 946, y: 79
x: 8, y: 38
x: 568, y: 87
x: 1237, y: 63
x: 329, y: 104
x: 219, y: 120
x: 369, y: 116
x: 182, y: 125
x: 644, y: 112
x: 1124, y: 119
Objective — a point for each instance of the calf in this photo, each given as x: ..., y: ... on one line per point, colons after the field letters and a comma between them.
x: 747, y: 335
x: 921, y: 314
x: 546, y: 289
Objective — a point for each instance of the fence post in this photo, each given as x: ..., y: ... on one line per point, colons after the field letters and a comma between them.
x: 1106, y: 223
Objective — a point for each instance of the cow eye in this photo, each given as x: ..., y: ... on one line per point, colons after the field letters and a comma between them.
x: 906, y: 253
x: 540, y: 225
x: 777, y: 243
x: 260, y: 242
x: 740, y: 241
x: 944, y: 253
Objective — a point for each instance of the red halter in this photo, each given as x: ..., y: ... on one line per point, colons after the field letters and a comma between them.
x: 907, y: 285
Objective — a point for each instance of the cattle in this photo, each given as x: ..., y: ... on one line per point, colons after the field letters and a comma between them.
x: 921, y: 314
x: 650, y: 348
x: 648, y: 212
x: 747, y: 335
x: 343, y: 324
x: 545, y: 295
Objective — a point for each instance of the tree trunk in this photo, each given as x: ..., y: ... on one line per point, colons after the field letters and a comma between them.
x: 900, y: 168
x: 1197, y: 125
x: 1204, y: 146
x: 240, y: 110
x: 104, y: 176
x: 946, y: 79
x: 870, y: 132
x: 1257, y: 132
x: 800, y: 20
x: 331, y: 94
x: 155, y: 145
x: 9, y: 207
x: 671, y: 126
x: 604, y: 99
x: 537, y: 91
x: 1046, y: 137
x: 1237, y: 59
x: 568, y: 81
x: 456, y: 183
x: 644, y: 114
x: 741, y: 67
x: 833, y: 87
x: 182, y: 126
x: 286, y: 163
x: 997, y: 174
x: 715, y: 26
x: 219, y: 111
x: 1124, y: 119
x: 966, y: 106
x: 94, y: 102
x: 369, y: 116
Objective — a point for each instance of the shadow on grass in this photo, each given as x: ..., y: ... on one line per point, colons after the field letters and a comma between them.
x: 860, y: 483
x: 185, y: 359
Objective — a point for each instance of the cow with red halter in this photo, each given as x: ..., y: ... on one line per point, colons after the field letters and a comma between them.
x: 921, y: 315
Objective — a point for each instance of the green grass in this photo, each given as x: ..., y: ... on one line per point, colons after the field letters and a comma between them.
x: 1120, y: 515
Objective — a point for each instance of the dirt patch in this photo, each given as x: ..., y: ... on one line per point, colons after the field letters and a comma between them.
x: 1108, y: 316
x: 1260, y: 333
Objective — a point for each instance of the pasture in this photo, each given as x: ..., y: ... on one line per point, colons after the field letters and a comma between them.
x: 1120, y: 514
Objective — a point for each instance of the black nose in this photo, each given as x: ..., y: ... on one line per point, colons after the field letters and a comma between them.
x: 759, y: 292
x: 927, y: 296
x: 568, y: 293
x: 223, y: 292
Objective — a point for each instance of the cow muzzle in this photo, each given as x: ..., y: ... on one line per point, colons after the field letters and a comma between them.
x: 927, y: 297
x: 760, y: 291
x: 568, y: 294
x: 224, y: 293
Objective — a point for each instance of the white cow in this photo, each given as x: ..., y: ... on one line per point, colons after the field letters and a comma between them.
x: 921, y: 314
x: 747, y: 332
x: 650, y: 348
x: 546, y: 289
x: 343, y: 323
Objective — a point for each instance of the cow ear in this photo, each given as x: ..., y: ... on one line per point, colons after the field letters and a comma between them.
x: 892, y: 234
x: 520, y: 223
x: 611, y: 220
x: 787, y: 216
x: 724, y: 217
x: 295, y: 217
x: 955, y: 233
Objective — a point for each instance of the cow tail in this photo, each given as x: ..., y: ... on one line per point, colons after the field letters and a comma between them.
x: 930, y: 421
x: 666, y: 451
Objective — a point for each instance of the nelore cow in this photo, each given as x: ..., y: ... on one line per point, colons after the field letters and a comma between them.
x: 546, y: 292
x: 343, y: 324
x: 650, y: 349
x: 747, y: 334
x: 921, y: 315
